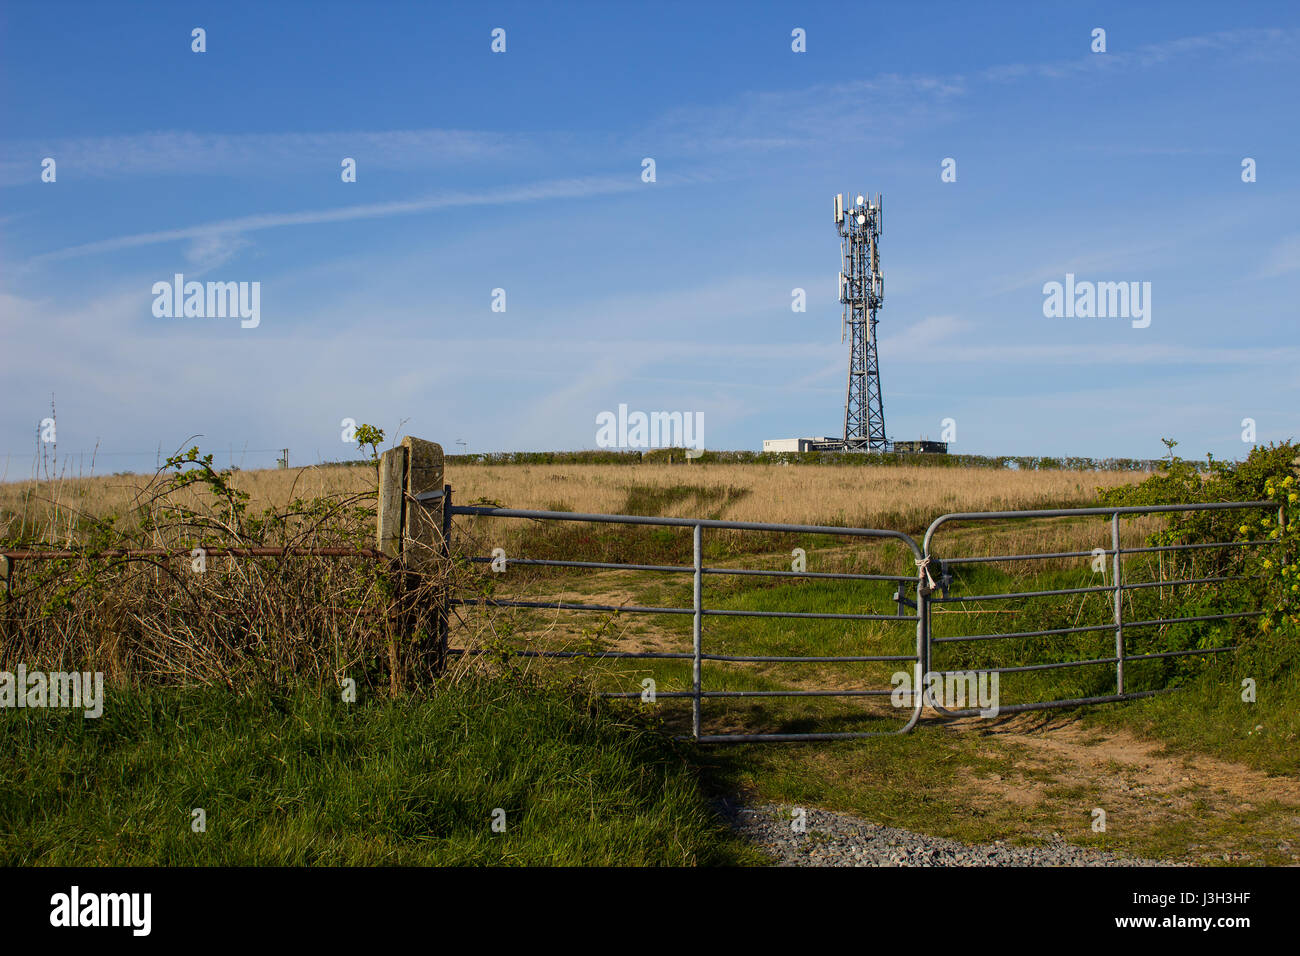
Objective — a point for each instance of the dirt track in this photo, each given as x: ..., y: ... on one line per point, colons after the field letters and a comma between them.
x: 1137, y: 779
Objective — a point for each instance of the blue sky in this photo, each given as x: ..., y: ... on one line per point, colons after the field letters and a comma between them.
x: 522, y: 170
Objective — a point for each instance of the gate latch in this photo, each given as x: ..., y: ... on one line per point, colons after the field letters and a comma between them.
x: 902, y: 600
x: 930, y: 584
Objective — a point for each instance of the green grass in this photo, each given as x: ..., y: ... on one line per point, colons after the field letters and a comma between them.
x: 300, y: 780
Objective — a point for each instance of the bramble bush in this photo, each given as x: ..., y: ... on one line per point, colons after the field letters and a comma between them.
x: 1278, y: 645
x: 1269, y: 473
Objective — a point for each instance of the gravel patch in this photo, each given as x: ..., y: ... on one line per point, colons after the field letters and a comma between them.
x: 834, y: 839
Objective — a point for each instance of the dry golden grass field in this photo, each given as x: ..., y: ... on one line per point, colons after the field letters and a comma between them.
x: 809, y: 494
x: 785, y: 493
x: 906, y: 498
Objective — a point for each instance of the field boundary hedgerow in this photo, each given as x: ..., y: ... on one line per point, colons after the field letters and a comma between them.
x: 855, y: 459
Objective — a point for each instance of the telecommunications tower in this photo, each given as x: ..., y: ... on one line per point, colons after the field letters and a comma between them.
x: 862, y: 291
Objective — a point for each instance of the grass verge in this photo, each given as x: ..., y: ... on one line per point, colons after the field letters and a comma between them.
x: 298, y: 779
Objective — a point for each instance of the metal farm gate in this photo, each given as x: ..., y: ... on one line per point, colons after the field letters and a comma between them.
x: 941, y: 581
x: 1120, y: 632
x: 909, y: 613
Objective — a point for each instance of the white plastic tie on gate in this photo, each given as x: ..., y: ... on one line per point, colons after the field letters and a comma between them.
x: 923, y: 565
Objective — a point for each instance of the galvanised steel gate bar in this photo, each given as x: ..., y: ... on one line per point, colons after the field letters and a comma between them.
x: 698, y: 612
x: 1117, y: 586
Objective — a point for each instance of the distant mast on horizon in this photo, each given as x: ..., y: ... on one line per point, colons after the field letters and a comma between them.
x: 862, y: 292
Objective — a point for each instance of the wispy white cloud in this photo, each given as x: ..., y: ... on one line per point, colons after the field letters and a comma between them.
x: 1283, y: 258
x: 534, y: 192
x: 1115, y: 261
x: 243, y: 154
x: 1111, y: 353
x: 882, y: 108
x: 1246, y: 43
x: 920, y: 337
x: 943, y: 339
x: 879, y: 109
x: 209, y: 252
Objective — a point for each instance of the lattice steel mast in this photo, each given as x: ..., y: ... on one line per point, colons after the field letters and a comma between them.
x: 862, y: 290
